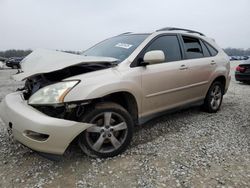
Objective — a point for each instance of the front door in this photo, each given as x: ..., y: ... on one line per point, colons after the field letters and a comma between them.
x: 164, y: 84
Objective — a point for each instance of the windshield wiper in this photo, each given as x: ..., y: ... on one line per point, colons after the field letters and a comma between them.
x: 101, y: 64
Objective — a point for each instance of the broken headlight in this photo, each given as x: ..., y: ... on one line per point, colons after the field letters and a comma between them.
x: 52, y: 94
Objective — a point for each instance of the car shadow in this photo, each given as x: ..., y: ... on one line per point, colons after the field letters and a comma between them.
x: 163, y: 125
x: 166, y: 124
x: 244, y: 83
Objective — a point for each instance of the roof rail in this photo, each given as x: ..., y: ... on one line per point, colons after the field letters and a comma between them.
x: 179, y: 29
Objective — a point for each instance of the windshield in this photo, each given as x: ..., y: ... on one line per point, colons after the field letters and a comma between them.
x: 119, y: 47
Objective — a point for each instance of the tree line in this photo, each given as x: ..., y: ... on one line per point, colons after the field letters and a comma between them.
x: 23, y: 53
x: 14, y: 53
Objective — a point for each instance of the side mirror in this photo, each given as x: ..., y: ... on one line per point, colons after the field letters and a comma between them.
x: 154, y: 57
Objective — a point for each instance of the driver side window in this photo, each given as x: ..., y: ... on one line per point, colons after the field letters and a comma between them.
x: 169, y: 44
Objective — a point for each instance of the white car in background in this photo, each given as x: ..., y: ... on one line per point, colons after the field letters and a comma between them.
x: 1, y: 65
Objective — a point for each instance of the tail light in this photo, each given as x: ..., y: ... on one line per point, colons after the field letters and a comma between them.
x: 240, y: 69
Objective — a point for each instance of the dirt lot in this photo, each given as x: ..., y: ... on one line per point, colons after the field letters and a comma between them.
x: 190, y: 148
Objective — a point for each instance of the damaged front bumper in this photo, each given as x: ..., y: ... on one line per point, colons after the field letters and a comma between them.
x: 36, y: 130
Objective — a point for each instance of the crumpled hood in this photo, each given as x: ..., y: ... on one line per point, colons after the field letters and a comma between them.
x: 44, y: 61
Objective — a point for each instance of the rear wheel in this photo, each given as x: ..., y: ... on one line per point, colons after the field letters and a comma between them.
x: 246, y: 82
x: 111, y: 133
x: 214, y: 97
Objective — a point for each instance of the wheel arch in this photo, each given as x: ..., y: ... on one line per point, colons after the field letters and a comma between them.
x: 221, y: 79
x: 124, y: 98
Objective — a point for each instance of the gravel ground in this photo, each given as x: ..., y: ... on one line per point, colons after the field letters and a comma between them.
x: 189, y: 148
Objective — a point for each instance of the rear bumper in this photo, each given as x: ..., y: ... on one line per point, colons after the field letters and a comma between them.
x: 242, y: 76
x: 15, y: 111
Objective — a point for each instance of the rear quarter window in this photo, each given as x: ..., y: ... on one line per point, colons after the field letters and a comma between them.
x: 206, y: 53
x: 212, y: 50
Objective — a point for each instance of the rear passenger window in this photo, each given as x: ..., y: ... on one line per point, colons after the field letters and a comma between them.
x: 211, y: 49
x: 192, y: 48
x: 169, y: 44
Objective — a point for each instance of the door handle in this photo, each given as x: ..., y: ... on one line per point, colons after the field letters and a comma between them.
x: 213, y: 62
x: 183, y: 67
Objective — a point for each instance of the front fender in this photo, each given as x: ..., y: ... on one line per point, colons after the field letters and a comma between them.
x: 93, y: 91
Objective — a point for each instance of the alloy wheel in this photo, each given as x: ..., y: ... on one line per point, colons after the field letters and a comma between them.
x: 108, y: 133
x: 216, y: 97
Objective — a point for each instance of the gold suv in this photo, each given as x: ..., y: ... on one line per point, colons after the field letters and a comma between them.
x: 97, y: 98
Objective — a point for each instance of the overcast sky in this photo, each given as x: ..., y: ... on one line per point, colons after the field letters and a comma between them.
x: 78, y: 24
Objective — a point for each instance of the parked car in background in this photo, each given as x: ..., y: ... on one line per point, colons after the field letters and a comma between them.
x: 232, y: 58
x: 245, y: 57
x: 242, y: 72
x: 1, y: 64
x: 238, y: 58
x: 242, y: 57
x: 3, y: 59
x: 98, y: 97
x: 14, y: 62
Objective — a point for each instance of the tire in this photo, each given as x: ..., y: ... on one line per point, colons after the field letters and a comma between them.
x: 246, y: 82
x: 15, y: 67
x: 214, y: 97
x: 111, y: 135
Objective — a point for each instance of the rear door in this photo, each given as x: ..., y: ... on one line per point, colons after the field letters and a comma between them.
x: 201, y: 65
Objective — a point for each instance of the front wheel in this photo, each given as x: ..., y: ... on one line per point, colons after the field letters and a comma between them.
x: 214, y: 97
x: 15, y: 67
x: 111, y: 133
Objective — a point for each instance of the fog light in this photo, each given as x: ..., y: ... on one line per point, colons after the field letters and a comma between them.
x: 36, y: 136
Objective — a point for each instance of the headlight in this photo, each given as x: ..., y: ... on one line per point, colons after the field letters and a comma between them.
x: 52, y: 94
